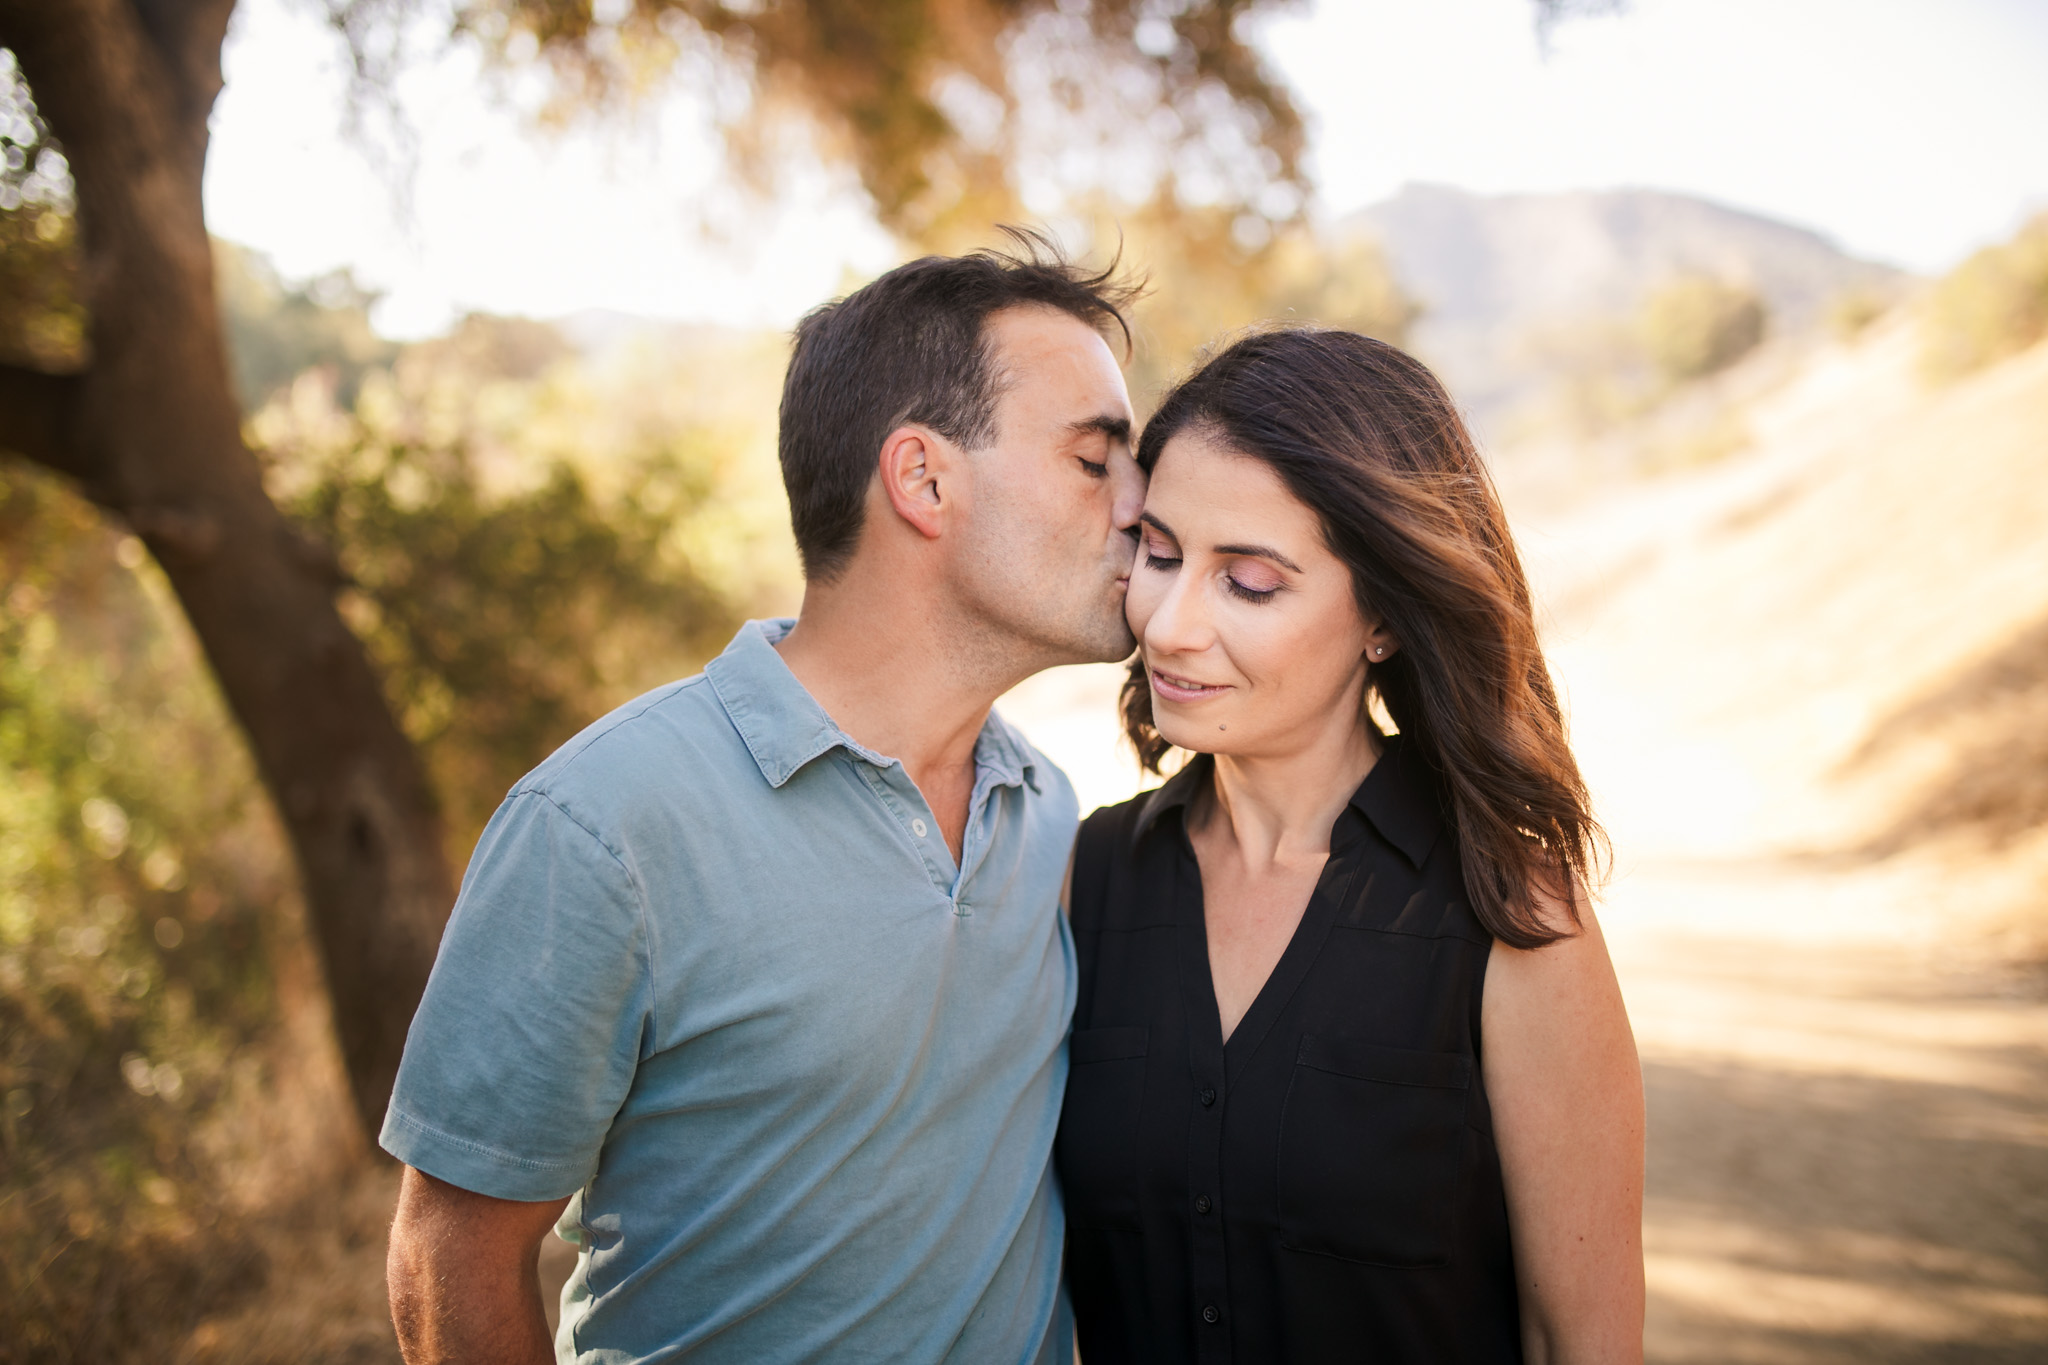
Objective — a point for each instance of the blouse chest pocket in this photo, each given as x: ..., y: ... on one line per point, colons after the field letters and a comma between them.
x: 1097, y: 1150
x: 1372, y: 1152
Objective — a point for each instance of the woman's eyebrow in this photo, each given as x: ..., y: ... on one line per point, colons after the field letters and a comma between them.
x: 1161, y: 527
x: 1259, y: 552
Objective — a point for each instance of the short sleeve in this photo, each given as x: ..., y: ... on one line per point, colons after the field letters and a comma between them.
x: 533, y: 1022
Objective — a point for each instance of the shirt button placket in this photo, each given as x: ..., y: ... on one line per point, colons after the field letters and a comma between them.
x: 1212, y: 1340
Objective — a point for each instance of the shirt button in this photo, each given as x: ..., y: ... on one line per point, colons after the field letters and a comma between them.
x: 1210, y: 1315
x: 1208, y: 1098
x: 919, y: 828
x: 1202, y: 1204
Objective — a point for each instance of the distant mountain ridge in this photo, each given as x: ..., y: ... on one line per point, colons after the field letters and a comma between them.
x: 1493, y: 272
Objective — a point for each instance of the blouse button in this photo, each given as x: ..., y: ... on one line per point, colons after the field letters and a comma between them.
x: 1208, y: 1098
x: 1210, y: 1315
x: 1202, y: 1204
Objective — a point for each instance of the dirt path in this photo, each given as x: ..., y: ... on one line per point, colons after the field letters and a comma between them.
x: 1848, y: 1128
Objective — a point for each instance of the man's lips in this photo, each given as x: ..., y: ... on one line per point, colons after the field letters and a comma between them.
x: 1175, y: 688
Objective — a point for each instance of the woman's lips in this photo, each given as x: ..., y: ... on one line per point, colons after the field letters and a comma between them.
x: 1183, y: 689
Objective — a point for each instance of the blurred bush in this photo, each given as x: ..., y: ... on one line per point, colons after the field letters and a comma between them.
x: 1697, y: 325
x: 1851, y: 312
x: 1209, y: 278
x: 275, y: 331
x: 1993, y: 718
x: 139, y: 880
x: 1993, y: 305
x: 511, y: 582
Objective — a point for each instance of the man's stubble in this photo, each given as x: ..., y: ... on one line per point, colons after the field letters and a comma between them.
x: 1026, y: 608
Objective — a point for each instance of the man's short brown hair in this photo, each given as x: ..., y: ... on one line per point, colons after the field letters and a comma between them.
x: 911, y: 347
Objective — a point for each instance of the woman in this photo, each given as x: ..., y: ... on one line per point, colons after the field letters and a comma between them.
x: 1351, y: 1077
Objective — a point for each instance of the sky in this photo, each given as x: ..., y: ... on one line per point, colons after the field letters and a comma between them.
x: 1909, y: 131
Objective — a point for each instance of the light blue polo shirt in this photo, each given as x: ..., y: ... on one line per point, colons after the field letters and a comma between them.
x: 714, y: 974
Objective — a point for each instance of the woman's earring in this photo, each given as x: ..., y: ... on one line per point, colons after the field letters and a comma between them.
x: 1378, y: 650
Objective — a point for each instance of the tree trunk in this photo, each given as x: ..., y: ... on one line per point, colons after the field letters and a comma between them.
x: 152, y: 432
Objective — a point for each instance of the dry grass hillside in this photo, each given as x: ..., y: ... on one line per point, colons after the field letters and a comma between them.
x: 1832, y: 642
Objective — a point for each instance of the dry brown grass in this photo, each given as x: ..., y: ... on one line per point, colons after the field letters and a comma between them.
x: 1992, y: 719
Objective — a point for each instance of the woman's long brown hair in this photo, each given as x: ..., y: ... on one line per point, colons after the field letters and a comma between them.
x: 1369, y: 440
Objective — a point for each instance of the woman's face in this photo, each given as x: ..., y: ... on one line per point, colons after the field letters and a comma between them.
x: 1245, y: 620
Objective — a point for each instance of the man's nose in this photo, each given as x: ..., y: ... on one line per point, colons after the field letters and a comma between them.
x: 1127, y: 491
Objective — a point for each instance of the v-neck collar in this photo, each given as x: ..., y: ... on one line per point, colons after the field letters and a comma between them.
x: 1205, y: 1018
x: 1397, y: 798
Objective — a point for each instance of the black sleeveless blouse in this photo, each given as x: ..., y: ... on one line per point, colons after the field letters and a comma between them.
x: 1325, y: 1186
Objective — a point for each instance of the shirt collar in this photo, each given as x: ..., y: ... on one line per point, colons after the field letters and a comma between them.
x: 1002, y: 752
x: 1394, y: 798
x: 784, y: 728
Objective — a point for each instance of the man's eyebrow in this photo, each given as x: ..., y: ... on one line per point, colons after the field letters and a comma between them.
x: 1109, y: 424
x: 1259, y: 552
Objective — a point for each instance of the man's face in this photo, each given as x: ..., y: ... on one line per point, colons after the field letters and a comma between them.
x: 1047, y: 553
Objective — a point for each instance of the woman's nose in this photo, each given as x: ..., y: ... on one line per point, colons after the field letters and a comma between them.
x: 1179, y: 623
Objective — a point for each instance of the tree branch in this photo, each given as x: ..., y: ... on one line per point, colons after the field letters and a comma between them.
x: 36, y: 420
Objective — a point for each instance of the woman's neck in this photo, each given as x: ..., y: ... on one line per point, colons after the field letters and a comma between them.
x: 1279, y: 808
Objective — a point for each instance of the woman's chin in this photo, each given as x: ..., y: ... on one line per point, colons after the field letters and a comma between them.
x: 1196, y: 738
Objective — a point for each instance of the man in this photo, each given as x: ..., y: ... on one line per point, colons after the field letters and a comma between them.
x: 759, y: 985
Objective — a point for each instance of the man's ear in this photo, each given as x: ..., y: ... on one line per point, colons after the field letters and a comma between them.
x: 914, y: 463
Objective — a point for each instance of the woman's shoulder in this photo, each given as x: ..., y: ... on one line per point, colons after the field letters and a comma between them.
x: 1106, y: 853
x: 1105, y: 829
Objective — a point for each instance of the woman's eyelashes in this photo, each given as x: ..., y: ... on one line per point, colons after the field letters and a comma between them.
x: 1246, y: 591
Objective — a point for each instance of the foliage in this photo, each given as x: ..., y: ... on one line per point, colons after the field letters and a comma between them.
x: 1851, y: 312
x: 1208, y: 279
x: 1993, y: 719
x: 1993, y: 305
x: 510, y: 582
x: 1696, y: 326
x: 275, y: 332
x: 138, y: 883
x: 948, y: 110
x: 41, y: 322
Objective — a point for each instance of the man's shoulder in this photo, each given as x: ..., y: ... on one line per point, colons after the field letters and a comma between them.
x: 648, y: 743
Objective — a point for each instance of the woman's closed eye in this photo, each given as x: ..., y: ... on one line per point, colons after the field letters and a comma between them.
x: 1160, y: 553
x: 1252, y: 580
x: 1246, y: 591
